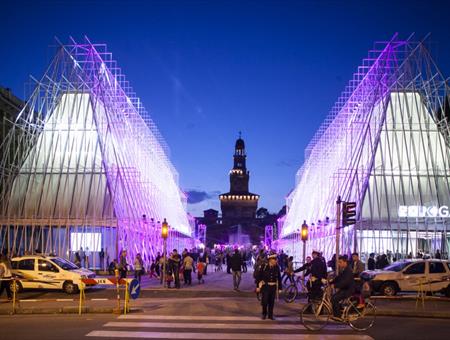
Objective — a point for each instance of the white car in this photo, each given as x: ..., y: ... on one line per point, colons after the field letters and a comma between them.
x: 408, y: 275
x: 50, y: 272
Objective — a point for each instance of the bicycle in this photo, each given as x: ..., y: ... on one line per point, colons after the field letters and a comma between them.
x: 291, y: 292
x: 316, y: 314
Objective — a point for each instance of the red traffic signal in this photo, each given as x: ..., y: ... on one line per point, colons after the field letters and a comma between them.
x: 304, y: 232
x: 348, y: 213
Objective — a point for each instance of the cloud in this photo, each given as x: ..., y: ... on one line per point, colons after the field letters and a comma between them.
x: 288, y: 163
x: 197, y: 196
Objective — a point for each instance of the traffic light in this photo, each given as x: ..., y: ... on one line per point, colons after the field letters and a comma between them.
x: 165, y: 229
x: 348, y: 213
x: 304, y: 232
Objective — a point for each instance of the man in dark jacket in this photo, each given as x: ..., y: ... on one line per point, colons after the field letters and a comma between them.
x: 318, y: 271
x: 345, y: 286
x: 371, y: 262
x: 236, y: 266
x: 268, y: 282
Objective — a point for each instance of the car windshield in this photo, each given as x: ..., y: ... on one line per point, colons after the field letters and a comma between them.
x: 64, y: 264
x: 397, y: 266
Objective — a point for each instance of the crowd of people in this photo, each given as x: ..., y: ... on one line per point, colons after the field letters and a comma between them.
x: 176, y: 268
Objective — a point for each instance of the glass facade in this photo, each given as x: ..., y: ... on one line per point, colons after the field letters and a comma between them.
x: 385, y: 146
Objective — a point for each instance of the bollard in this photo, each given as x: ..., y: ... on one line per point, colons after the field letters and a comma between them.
x: 81, y: 287
x: 14, y: 295
x: 420, y: 295
x: 116, y: 272
x: 126, y: 307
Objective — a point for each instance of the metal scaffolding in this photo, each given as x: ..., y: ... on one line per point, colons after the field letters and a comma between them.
x: 385, y: 145
x: 89, y: 167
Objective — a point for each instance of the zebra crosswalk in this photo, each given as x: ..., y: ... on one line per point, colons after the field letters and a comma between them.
x: 140, y: 326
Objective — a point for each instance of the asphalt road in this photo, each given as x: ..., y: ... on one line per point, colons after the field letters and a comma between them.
x: 149, y: 325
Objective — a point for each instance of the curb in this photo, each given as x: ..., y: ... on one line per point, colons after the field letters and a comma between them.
x: 408, y: 314
x: 110, y: 310
x: 67, y: 310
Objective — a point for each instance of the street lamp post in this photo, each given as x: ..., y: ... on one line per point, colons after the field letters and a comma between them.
x: 304, y: 239
x: 164, y: 234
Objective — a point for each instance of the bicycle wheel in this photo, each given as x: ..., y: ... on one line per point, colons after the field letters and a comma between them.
x: 315, y: 316
x: 290, y: 293
x: 362, y: 318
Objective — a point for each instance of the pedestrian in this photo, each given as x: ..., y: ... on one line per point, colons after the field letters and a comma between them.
x: 169, y: 272
x: 332, y: 263
x: 157, y: 262
x: 269, y: 284
x: 205, y: 260
x: 357, y: 265
x: 382, y: 262
x: 289, y: 271
x: 112, y: 267
x: 236, y: 266
x: 306, y: 267
x: 138, y: 267
x: 123, y: 265
x: 200, y: 268
x: 5, y: 276
x: 371, y: 262
x: 102, y: 259
x: 82, y: 257
x: 228, y: 257
x: 244, y: 261
x: 437, y: 255
x: 87, y: 255
x: 174, y: 263
x: 188, y: 263
x: 153, y: 272
x: 77, y: 260
x: 318, y: 272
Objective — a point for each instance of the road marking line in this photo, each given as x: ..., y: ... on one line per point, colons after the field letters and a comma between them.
x: 28, y: 300
x: 201, y: 317
x: 99, y: 299
x: 222, y: 336
x: 185, y: 325
x: 64, y: 299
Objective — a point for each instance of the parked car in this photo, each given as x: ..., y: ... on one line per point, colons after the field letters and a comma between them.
x: 50, y: 272
x: 409, y: 275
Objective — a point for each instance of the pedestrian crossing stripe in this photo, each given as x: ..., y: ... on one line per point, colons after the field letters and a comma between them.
x: 201, y: 318
x: 186, y: 325
x: 140, y: 326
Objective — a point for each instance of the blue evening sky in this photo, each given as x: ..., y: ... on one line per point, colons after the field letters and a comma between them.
x: 209, y: 69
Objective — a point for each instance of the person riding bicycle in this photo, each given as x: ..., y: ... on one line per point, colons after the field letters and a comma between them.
x: 306, y: 267
x: 345, y: 285
x: 318, y: 270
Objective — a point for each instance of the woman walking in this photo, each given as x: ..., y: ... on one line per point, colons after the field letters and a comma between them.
x: 138, y: 267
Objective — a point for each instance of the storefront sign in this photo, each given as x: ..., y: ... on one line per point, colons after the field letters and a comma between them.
x: 422, y: 211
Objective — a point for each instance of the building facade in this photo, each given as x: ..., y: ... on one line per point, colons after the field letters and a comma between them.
x: 90, y: 169
x: 385, y: 145
x: 239, y: 203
